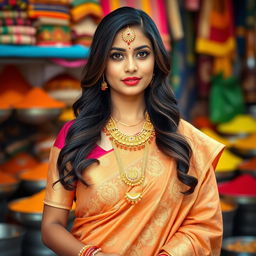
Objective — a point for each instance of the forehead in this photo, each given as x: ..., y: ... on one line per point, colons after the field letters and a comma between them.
x: 140, y: 39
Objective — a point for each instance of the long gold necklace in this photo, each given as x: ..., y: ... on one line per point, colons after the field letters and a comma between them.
x: 130, y: 142
x: 133, y: 176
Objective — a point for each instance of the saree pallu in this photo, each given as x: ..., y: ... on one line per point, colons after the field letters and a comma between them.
x: 164, y: 219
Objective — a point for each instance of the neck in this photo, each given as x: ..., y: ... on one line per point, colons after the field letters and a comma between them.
x: 128, y: 109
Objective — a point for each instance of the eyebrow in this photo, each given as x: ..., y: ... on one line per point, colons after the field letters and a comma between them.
x: 124, y: 50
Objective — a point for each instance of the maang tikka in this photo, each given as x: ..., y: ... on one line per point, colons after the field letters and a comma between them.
x: 104, y: 85
x: 128, y: 35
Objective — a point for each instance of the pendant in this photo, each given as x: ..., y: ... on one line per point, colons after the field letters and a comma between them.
x: 133, y: 177
x: 133, y: 197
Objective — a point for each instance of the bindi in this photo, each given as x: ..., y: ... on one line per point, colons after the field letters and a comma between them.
x: 128, y: 36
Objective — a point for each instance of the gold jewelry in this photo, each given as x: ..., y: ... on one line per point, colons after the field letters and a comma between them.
x: 127, y: 125
x: 128, y: 35
x: 133, y: 176
x: 104, y: 85
x: 83, y: 250
x: 130, y: 142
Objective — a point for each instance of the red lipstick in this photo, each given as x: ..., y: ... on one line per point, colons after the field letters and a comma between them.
x: 131, y: 81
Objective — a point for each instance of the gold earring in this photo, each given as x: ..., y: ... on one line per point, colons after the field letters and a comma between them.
x: 104, y: 85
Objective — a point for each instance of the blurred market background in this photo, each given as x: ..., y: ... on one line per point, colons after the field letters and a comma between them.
x: 43, y: 47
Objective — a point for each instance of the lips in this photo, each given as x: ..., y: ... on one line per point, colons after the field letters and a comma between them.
x: 131, y: 81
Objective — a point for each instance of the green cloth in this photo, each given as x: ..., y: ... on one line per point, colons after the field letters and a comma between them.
x: 78, y: 2
x: 226, y: 99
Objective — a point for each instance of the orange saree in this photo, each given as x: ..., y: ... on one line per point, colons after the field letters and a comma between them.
x: 164, y: 220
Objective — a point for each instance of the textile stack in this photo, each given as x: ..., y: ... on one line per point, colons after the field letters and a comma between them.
x: 52, y: 19
x: 15, y: 27
x: 86, y: 14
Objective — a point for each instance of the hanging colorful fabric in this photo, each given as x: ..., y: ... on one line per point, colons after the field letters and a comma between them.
x: 226, y: 99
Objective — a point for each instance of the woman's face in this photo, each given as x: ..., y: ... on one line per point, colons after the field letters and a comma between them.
x: 130, y: 66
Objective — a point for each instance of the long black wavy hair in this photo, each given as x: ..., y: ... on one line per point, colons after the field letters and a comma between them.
x: 93, y: 108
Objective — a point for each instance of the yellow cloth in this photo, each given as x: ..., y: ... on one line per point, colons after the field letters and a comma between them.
x: 164, y: 220
x: 86, y: 9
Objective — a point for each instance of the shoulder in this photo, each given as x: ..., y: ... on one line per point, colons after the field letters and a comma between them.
x: 195, y: 136
x: 205, y: 150
x: 61, y: 137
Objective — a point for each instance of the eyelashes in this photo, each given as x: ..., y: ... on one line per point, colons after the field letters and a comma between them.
x: 120, y: 56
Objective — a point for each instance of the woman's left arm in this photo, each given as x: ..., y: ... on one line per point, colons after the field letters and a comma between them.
x: 201, y: 231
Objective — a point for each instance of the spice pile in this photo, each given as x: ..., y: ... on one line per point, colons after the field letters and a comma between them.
x: 241, y: 246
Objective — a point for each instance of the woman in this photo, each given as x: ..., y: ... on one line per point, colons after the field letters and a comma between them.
x: 142, y: 178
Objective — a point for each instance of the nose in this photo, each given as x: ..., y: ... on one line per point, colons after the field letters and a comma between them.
x: 131, y: 65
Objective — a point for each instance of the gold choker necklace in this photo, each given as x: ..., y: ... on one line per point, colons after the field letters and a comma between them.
x: 130, y: 142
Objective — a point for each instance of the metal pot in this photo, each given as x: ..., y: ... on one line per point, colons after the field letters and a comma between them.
x: 228, y: 219
x: 10, y: 239
x: 32, y: 243
x: 227, y: 251
x: 245, y: 224
x: 37, y: 115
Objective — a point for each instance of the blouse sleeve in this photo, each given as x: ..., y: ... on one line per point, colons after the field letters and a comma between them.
x: 61, y: 137
x: 56, y: 195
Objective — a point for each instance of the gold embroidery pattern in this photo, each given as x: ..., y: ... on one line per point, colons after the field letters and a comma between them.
x: 175, y: 190
x: 108, y: 193
x: 92, y: 206
x: 134, y: 251
x: 155, y: 167
x: 162, y: 215
x: 147, y: 237
x: 184, y: 247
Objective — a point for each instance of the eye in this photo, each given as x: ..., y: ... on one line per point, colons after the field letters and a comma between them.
x: 142, y: 54
x: 116, y: 56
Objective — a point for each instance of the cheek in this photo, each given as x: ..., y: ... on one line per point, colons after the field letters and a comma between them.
x: 148, y: 68
x: 112, y: 71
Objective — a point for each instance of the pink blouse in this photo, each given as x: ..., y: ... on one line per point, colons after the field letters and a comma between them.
x: 61, y: 137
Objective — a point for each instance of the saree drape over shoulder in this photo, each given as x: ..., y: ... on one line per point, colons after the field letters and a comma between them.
x: 164, y: 220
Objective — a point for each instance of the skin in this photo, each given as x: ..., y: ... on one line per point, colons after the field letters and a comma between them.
x: 134, y: 60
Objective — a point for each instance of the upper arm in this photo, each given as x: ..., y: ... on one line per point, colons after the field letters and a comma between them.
x: 54, y: 215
